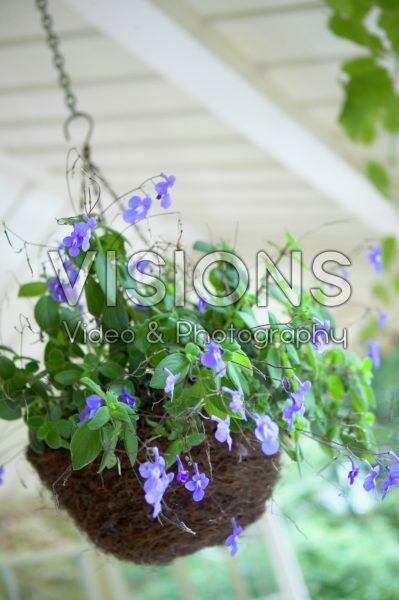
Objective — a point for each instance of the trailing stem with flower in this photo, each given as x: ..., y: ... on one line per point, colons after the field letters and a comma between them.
x: 155, y: 398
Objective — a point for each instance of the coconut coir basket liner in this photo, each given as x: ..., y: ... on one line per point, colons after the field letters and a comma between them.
x: 110, y: 508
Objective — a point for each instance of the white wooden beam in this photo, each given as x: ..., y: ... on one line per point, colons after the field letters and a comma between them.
x: 163, y: 44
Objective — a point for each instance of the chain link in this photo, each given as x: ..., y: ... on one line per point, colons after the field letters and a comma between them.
x: 58, y: 60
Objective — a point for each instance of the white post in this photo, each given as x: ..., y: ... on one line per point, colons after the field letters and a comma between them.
x: 288, y: 573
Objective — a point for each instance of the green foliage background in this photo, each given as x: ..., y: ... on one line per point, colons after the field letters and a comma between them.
x: 371, y: 105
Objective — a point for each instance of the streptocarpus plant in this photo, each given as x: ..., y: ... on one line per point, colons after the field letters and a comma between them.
x: 146, y: 393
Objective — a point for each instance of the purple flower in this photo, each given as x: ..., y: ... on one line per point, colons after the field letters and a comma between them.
x: 140, y: 265
x: 303, y: 388
x: 286, y: 383
x: 171, y: 381
x: 127, y: 398
x: 375, y: 258
x: 213, y: 358
x: 157, y: 481
x: 138, y: 209
x: 80, y: 236
x: 198, y: 483
x: 289, y: 413
x: 395, y: 467
x: 353, y: 472
x: 236, y: 405
x: 297, y: 402
x: 163, y: 190
x: 58, y: 289
x: 266, y: 431
x: 392, y: 481
x: 320, y: 337
x: 153, y: 468
x: 202, y: 305
x: 1, y: 474
x: 155, y: 490
x: 374, y: 352
x: 183, y: 475
x: 393, y: 476
x: 93, y: 403
x: 382, y: 318
x: 223, y: 430
x: 231, y: 541
x: 369, y: 482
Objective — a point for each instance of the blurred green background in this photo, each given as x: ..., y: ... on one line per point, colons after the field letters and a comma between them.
x: 346, y: 542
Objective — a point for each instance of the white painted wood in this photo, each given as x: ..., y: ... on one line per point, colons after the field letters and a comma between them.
x: 282, y: 556
x: 298, y: 34
x: 235, y: 8
x: 213, y: 83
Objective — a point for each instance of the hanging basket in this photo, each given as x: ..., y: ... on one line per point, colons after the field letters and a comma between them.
x: 111, y: 510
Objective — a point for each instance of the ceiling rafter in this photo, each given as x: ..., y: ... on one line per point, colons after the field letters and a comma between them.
x: 284, y: 9
x: 198, y: 62
x: 29, y: 40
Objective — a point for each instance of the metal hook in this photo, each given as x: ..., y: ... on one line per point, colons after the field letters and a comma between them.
x: 90, y: 122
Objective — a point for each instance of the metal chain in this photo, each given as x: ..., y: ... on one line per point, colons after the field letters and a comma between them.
x: 58, y: 60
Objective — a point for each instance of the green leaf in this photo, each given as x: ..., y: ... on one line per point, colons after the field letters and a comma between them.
x: 7, y: 368
x: 68, y: 377
x: 122, y: 413
x: 34, y: 288
x: 176, y: 363
x: 85, y: 446
x: 389, y: 247
x: 91, y: 362
x: 95, y: 297
x: 116, y: 317
x: 174, y: 449
x: 71, y: 319
x: 370, y: 100
x: 55, y: 359
x: 194, y: 439
x: 274, y: 366
x: 111, y: 370
x: 353, y: 9
x: 204, y: 247
x: 94, y: 387
x: 9, y: 411
x: 354, y: 31
x: 47, y: 314
x: 35, y: 422
x: 131, y: 445
x: 248, y: 317
x: 53, y: 439
x: 379, y: 178
x: 192, y: 351
x: 106, y: 274
x: 35, y: 443
x: 336, y: 387
x: 389, y: 22
x: 108, y: 461
x: 292, y: 241
x: 237, y: 378
x: 44, y: 430
x: 380, y: 291
x: 241, y: 359
x: 214, y: 405
x: 101, y: 417
x: 292, y: 354
x: 63, y: 427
